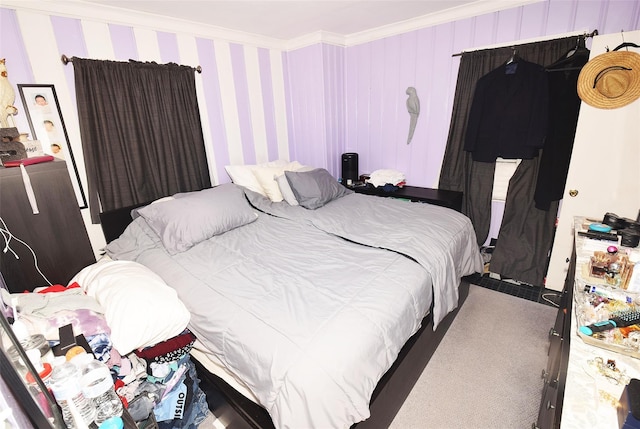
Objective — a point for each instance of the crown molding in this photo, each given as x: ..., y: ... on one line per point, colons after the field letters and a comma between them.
x: 480, y: 7
x: 79, y: 9
x: 315, y: 38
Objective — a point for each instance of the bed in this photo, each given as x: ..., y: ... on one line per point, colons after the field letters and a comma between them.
x: 305, y: 317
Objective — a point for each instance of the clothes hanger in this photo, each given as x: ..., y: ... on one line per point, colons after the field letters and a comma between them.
x: 514, y: 56
x: 626, y: 45
x: 580, y: 50
x: 511, y: 65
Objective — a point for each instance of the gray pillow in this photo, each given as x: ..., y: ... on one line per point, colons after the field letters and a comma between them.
x: 315, y: 188
x: 184, y: 222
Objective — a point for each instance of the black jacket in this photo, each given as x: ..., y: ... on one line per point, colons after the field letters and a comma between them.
x: 509, y: 113
x: 564, y: 106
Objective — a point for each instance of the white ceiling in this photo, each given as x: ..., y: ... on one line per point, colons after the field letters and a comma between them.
x: 286, y: 20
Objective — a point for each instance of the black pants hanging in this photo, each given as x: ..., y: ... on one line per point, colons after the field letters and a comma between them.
x: 526, y: 233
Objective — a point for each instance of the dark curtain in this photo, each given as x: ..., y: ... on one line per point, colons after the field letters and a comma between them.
x: 141, y: 132
x: 526, y: 233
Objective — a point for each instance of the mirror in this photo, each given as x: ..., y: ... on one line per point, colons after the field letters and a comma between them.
x: 31, y: 403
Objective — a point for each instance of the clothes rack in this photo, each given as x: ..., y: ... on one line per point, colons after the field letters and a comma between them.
x: 586, y: 35
x: 66, y: 60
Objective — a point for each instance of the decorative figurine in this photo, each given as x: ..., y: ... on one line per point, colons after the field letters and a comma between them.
x: 413, y: 106
x: 7, y: 97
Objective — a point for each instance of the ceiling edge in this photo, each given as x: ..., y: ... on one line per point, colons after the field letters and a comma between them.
x: 315, y: 38
x: 111, y: 15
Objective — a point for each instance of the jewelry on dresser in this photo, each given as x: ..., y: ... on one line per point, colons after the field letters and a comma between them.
x: 608, y: 398
x: 609, y: 370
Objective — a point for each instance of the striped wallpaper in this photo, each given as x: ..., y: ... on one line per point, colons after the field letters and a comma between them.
x: 378, y: 73
x: 241, y: 89
x: 260, y: 101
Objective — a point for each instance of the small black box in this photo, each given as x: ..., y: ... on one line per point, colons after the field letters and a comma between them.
x: 629, y: 409
x: 68, y: 340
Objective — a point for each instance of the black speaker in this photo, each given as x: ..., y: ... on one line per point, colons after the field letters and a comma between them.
x: 349, y: 168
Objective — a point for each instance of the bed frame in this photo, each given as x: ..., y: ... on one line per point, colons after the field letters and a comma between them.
x: 234, y: 410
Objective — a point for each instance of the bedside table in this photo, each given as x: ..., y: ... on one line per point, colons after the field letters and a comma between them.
x: 449, y: 199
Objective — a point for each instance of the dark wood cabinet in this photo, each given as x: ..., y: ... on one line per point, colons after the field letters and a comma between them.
x: 56, y: 234
x: 449, y: 199
x: 555, y: 374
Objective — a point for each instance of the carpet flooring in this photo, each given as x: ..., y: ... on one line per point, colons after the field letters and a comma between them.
x: 485, y: 373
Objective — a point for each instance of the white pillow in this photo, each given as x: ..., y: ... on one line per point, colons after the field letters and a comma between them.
x: 242, y: 175
x: 141, y: 310
x: 266, y: 177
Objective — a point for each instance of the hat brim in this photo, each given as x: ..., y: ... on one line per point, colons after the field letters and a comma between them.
x: 590, y: 71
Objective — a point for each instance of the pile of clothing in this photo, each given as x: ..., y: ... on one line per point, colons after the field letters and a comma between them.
x: 169, y: 388
x: 156, y: 383
x: 391, y: 179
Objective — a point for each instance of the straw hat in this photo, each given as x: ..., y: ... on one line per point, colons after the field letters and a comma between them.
x: 610, y: 80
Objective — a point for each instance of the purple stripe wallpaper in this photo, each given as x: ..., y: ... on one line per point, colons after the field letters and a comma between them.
x: 378, y: 73
x: 242, y: 97
x: 69, y: 38
x: 213, y: 100
x: 305, y: 103
x: 123, y: 42
x: 12, y: 50
x: 268, y: 100
x: 168, y: 47
x: 337, y: 99
x: 334, y: 94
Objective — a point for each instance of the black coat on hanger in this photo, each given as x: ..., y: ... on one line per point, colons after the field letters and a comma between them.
x: 509, y: 113
x: 564, y: 105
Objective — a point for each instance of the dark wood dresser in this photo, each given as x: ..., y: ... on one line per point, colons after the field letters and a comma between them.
x: 449, y: 199
x: 57, y: 234
x: 555, y: 374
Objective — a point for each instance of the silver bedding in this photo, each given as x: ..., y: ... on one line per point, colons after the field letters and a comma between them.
x: 442, y: 240
x: 307, y: 320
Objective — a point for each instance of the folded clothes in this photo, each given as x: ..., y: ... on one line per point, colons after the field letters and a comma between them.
x: 169, y: 350
x: 86, y: 322
x: 382, y: 177
x: 48, y: 304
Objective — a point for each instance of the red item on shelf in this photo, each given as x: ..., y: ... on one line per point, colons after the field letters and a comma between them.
x: 29, y: 161
x: 59, y: 288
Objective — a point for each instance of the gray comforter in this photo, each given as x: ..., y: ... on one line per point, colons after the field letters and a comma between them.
x: 308, y: 321
x: 442, y: 240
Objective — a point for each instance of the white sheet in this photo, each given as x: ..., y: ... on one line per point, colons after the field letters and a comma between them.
x: 211, y: 362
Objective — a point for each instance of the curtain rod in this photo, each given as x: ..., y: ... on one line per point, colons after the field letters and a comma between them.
x: 585, y: 35
x: 66, y: 60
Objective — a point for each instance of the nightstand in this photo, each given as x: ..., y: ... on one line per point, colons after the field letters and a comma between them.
x: 449, y: 199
